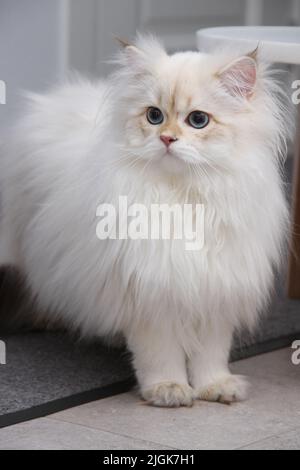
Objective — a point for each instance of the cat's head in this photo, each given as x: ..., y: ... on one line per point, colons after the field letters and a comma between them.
x: 192, y: 112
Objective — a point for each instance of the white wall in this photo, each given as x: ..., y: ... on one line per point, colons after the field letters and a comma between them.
x: 176, y: 21
x: 32, y: 52
x: 41, y: 39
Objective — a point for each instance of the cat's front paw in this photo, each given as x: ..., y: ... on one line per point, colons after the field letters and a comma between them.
x: 169, y: 394
x: 228, y: 389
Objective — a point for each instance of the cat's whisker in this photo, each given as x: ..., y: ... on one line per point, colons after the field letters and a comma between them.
x: 147, y: 164
x: 115, y: 164
x: 200, y: 171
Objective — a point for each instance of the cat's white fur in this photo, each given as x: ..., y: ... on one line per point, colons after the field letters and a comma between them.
x: 86, y: 143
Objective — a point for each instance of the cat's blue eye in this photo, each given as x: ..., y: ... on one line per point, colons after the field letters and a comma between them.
x: 198, y: 119
x: 154, y: 115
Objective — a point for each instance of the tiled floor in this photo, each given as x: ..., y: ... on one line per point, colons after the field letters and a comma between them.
x: 270, y: 419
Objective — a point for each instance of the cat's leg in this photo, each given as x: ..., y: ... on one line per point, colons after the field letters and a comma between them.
x: 160, y: 366
x: 208, y: 367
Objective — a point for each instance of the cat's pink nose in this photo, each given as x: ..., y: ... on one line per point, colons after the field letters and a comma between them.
x: 167, y: 139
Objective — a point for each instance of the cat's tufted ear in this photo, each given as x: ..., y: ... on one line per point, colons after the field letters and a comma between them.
x: 239, y: 77
x: 132, y: 54
x: 142, y: 54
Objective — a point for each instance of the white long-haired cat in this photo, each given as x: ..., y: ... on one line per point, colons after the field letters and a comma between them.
x: 172, y: 129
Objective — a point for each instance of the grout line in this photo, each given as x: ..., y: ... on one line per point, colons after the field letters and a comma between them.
x: 110, y: 432
x: 267, y: 438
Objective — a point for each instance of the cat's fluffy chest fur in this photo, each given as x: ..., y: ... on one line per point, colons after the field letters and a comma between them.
x: 177, y: 308
x: 153, y: 278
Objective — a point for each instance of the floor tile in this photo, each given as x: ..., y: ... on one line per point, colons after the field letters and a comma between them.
x: 287, y: 441
x: 47, y: 434
x: 273, y: 363
x: 273, y: 407
x: 268, y: 419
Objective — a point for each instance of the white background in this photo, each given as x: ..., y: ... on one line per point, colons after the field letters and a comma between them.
x: 40, y: 40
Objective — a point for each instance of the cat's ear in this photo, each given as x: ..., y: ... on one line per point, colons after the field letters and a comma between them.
x: 239, y: 76
x: 132, y: 54
x: 140, y: 55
